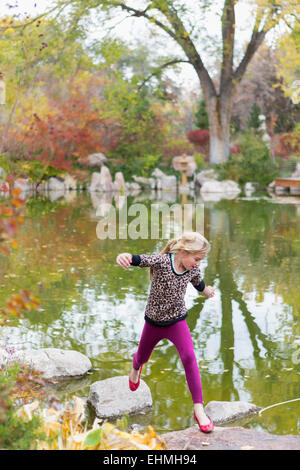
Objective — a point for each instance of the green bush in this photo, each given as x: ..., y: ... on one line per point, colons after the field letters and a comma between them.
x: 200, y: 160
x: 252, y: 163
x: 15, y: 432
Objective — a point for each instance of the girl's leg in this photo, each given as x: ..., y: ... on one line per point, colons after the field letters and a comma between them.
x: 180, y: 336
x: 151, y: 335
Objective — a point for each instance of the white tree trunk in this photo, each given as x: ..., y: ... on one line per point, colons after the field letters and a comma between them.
x: 219, y: 112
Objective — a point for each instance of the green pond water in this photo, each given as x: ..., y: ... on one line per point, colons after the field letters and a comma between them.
x: 246, y: 339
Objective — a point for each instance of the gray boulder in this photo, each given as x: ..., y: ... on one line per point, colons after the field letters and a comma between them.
x: 112, y: 398
x: 52, y: 363
x: 203, y: 176
x: 101, y: 181
x: 95, y: 159
x: 214, y: 186
x: 147, y: 183
x: 164, y: 182
x: 119, y: 183
x: 55, y: 184
x: 221, y: 412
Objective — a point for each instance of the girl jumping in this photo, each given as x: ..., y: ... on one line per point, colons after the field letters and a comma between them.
x: 165, y: 315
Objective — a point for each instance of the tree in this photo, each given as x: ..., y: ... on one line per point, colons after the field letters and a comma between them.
x: 262, y: 86
x: 201, y: 116
x: 254, y: 121
x: 31, y: 54
x: 289, y: 63
x: 175, y: 19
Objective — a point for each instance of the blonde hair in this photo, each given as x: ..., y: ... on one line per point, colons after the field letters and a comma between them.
x: 193, y: 242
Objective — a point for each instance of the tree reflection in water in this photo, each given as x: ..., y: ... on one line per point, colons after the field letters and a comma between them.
x: 245, y: 338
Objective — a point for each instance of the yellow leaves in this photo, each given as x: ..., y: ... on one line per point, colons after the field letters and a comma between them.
x: 289, y: 63
x: 64, y: 430
x: 112, y: 438
x: 205, y: 443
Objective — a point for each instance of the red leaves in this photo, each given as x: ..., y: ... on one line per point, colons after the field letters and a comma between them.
x: 199, y: 136
x: 71, y: 128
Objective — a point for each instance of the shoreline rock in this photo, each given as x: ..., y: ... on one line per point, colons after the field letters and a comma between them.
x: 229, y: 438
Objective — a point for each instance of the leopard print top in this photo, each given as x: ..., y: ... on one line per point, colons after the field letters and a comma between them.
x: 165, y: 304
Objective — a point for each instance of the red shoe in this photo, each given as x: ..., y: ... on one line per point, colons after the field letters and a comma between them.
x: 133, y: 387
x: 205, y: 428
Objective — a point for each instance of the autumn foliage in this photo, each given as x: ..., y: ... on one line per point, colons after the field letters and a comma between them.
x: 70, y: 128
x: 286, y: 144
x: 200, y: 138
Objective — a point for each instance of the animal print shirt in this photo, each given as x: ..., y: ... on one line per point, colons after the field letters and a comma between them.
x: 166, y: 304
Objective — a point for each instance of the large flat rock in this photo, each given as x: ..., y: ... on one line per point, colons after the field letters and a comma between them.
x: 111, y: 398
x: 229, y: 438
x: 53, y: 363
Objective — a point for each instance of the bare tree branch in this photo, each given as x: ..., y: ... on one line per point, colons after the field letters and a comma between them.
x: 167, y: 64
x: 180, y: 35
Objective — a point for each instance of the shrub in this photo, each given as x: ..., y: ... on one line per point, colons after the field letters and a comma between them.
x: 200, y: 138
x: 252, y: 163
x: 199, y: 159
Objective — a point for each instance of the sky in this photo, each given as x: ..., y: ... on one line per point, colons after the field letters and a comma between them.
x: 129, y: 28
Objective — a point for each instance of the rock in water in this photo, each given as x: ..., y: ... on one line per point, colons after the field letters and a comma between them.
x: 221, y: 412
x: 111, y: 398
x: 53, y: 363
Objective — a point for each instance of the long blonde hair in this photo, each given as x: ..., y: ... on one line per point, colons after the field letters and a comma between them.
x: 193, y: 242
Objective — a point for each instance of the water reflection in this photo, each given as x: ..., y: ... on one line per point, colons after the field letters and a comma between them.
x: 245, y: 337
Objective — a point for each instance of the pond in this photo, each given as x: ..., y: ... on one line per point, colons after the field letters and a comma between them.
x: 247, y: 338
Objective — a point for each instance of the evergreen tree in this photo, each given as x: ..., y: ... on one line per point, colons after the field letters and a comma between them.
x: 254, y: 121
x: 201, y: 116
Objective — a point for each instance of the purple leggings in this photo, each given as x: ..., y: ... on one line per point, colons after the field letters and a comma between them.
x: 179, y: 334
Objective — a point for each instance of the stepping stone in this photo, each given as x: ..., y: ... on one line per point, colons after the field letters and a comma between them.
x: 221, y: 412
x: 112, y: 398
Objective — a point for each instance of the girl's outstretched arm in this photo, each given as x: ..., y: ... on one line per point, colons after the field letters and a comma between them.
x: 209, y: 291
x: 124, y: 260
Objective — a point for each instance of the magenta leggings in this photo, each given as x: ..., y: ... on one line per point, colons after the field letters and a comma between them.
x: 179, y: 334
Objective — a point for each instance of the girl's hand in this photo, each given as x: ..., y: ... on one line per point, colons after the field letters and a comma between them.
x: 124, y: 260
x: 209, y: 291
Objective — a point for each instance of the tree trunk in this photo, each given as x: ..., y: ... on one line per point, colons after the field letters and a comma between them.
x: 219, y: 112
x: 219, y: 105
